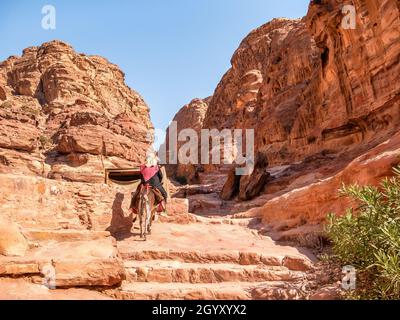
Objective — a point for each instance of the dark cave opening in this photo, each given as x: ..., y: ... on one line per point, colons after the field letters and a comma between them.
x: 325, y: 57
x: 123, y: 176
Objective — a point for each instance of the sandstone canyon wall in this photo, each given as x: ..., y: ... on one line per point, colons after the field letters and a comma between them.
x: 63, y: 113
x: 64, y: 119
x: 309, y: 85
x: 190, y: 116
x: 318, y: 97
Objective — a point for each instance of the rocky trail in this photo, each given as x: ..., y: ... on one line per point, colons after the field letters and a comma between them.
x: 208, y: 258
x: 211, y: 259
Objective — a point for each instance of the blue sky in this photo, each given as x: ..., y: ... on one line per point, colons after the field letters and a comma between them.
x: 170, y: 50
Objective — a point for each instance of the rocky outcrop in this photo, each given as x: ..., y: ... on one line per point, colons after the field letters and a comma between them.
x: 267, y: 87
x: 190, y: 116
x: 322, y: 99
x: 12, y: 242
x: 311, y: 203
x: 63, y: 114
x: 310, y: 85
x: 64, y: 118
x: 67, y: 259
x: 231, y: 186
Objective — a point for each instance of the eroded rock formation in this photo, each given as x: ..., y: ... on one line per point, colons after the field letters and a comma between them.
x: 324, y: 103
x: 190, y: 116
x: 63, y: 110
x: 65, y: 118
x: 310, y: 85
x: 318, y: 95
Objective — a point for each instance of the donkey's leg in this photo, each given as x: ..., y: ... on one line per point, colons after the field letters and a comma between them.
x: 151, y: 211
x: 148, y: 215
x: 141, y: 218
x: 150, y: 221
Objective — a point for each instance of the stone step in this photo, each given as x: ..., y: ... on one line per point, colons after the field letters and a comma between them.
x: 294, y: 263
x: 207, y: 178
x: 163, y: 271
x: 64, y: 235
x: 23, y: 289
x: 243, y: 222
x: 210, y: 291
x: 70, y: 264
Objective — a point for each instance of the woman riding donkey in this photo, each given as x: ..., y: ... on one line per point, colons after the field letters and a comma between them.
x: 151, y: 177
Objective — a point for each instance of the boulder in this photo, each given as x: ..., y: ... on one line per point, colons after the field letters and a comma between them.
x: 12, y: 242
x: 231, y: 186
x: 252, y: 185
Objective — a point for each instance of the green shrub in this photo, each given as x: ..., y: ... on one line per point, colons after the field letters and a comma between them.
x: 368, y: 238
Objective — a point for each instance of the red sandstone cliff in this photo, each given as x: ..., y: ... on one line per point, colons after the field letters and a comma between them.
x: 318, y: 96
x: 67, y: 115
x: 308, y: 86
x: 190, y: 116
x: 64, y: 118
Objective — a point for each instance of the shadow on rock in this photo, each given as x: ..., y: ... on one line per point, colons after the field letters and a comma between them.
x: 121, y: 224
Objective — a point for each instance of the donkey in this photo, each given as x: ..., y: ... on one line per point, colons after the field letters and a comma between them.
x: 147, y: 210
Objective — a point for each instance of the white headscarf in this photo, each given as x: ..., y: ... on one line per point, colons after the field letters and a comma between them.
x: 151, y: 160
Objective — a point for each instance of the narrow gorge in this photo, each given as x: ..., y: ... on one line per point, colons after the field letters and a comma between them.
x: 324, y: 103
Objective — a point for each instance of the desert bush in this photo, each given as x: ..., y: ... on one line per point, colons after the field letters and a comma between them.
x: 368, y: 238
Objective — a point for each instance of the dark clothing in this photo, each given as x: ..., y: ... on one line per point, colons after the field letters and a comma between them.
x: 158, y: 197
x: 156, y: 182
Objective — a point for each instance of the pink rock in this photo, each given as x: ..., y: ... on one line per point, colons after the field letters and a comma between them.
x: 12, y: 242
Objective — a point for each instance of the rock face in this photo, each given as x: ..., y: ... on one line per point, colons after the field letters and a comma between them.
x: 65, y: 118
x: 191, y: 116
x: 61, y: 110
x: 311, y: 203
x: 12, y: 242
x: 310, y: 85
x: 266, y: 88
x: 324, y: 103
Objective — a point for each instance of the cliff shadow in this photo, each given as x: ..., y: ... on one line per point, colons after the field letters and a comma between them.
x: 121, y: 224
